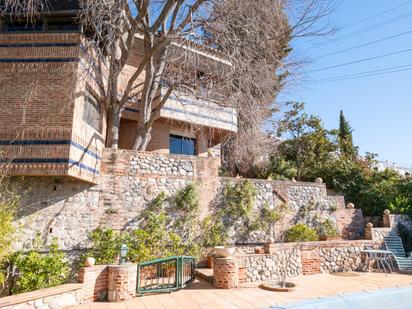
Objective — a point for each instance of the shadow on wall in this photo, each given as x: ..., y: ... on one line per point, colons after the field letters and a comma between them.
x: 55, y: 207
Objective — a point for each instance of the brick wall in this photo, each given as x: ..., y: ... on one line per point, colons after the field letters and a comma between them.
x: 161, y: 131
x: 41, y: 130
x: 95, y: 281
x: 310, y: 260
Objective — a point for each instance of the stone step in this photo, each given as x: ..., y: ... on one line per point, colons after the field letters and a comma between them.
x: 205, y: 274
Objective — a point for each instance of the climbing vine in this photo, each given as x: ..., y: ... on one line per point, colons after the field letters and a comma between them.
x: 167, y: 227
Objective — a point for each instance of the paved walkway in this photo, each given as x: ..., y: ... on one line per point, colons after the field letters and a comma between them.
x: 202, y: 295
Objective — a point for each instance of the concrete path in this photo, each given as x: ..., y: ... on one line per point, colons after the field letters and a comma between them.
x: 201, y: 294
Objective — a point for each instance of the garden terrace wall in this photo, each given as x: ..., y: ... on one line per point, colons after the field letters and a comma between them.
x: 392, y: 220
x: 298, y: 195
x: 62, y: 296
x: 304, y: 259
x: 69, y: 209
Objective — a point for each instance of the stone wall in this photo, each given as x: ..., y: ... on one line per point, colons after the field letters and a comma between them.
x: 69, y: 209
x: 392, y: 221
x: 63, y: 296
x: 378, y: 234
x: 304, y: 258
x: 305, y: 202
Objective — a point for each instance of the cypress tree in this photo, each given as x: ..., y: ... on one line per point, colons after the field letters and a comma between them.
x: 345, y: 135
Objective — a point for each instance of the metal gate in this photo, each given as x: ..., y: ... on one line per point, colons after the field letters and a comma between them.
x: 165, y: 275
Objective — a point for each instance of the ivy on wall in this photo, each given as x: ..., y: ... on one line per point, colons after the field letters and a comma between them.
x: 239, y: 214
x: 167, y: 227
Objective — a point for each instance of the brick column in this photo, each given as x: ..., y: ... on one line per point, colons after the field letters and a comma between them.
x: 368, y: 231
x: 122, y: 282
x: 225, y: 273
x: 310, y: 261
x: 94, y: 281
x: 387, y: 222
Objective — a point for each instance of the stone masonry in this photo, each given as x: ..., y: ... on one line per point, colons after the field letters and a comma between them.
x: 294, y: 259
x: 69, y: 210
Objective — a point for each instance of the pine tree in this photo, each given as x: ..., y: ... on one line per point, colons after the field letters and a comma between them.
x: 345, y: 136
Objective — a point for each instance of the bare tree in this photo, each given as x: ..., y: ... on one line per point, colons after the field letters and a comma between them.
x: 255, y: 37
x: 251, y: 40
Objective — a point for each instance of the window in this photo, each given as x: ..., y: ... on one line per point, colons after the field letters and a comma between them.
x: 24, y: 27
x: 58, y: 26
x: 182, y: 145
x: 91, y: 111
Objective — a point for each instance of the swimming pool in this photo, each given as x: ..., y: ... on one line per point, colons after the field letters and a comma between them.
x: 394, y: 298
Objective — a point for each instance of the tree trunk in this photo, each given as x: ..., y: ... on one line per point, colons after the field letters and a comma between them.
x: 143, y: 137
x: 113, y: 125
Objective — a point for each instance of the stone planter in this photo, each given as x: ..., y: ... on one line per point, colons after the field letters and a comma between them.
x: 275, y: 287
x: 221, y: 251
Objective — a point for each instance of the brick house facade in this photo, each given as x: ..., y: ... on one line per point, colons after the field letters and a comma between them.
x: 51, y: 123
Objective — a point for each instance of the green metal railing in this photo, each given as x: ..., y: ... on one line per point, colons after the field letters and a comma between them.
x: 165, y: 275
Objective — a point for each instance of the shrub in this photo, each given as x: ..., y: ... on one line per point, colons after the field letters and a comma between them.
x: 239, y: 199
x: 327, y: 229
x: 301, y: 232
x: 106, y: 245
x: 39, y: 271
x: 214, y: 232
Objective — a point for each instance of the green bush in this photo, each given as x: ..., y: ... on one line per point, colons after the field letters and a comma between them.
x: 327, y: 229
x: 239, y: 199
x: 106, y: 245
x: 301, y: 232
x: 214, y: 232
x: 39, y: 271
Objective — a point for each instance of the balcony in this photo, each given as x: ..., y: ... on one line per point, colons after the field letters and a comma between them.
x: 199, y: 112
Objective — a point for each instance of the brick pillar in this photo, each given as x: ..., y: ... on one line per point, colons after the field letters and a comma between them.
x: 122, y: 282
x: 310, y: 261
x: 387, y: 222
x: 94, y: 281
x: 368, y: 231
x: 225, y: 273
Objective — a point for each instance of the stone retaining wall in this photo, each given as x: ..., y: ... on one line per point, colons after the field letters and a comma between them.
x: 392, y: 221
x: 303, y: 259
x: 129, y: 180
x: 63, y: 296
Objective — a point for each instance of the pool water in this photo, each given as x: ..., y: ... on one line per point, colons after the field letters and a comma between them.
x: 394, y: 298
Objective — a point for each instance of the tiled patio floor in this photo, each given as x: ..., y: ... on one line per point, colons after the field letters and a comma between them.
x: 202, y: 295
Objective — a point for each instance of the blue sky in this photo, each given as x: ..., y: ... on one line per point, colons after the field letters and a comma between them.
x: 378, y: 107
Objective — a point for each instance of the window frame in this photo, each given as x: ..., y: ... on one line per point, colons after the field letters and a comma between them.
x: 182, y: 138
x: 91, y: 99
